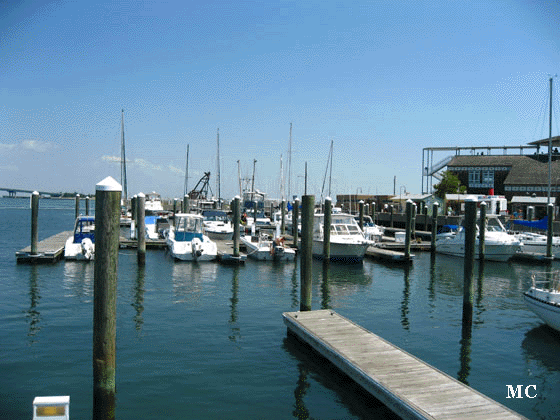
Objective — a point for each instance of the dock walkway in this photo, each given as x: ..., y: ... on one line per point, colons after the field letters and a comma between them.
x: 405, y: 384
x: 49, y: 250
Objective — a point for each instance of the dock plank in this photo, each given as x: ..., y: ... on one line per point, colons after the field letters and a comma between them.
x: 410, y: 387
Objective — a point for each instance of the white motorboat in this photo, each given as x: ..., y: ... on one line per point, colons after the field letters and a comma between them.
x: 372, y: 232
x: 543, y: 297
x: 347, y: 241
x: 498, y: 244
x: 263, y: 247
x: 536, y: 242
x: 187, y: 242
x: 81, y: 245
x: 153, y: 205
x: 156, y: 227
x: 217, y: 225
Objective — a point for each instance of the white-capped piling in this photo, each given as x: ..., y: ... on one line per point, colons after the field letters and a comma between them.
x: 327, y: 216
x: 34, y: 222
x: 470, y: 243
x: 77, y: 207
x: 141, y: 228
x: 308, y: 205
x: 435, y: 207
x: 361, y: 213
x: 295, y: 222
x: 482, y: 231
x: 235, y: 204
x: 107, y: 226
x: 87, y: 205
x: 408, y: 228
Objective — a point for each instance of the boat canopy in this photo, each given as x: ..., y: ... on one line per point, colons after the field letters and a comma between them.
x: 541, y: 224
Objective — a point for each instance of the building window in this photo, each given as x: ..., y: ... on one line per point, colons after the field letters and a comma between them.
x: 488, y: 177
x: 474, y: 178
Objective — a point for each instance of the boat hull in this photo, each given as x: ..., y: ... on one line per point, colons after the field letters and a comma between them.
x: 219, y: 235
x: 501, y: 253
x: 78, y: 251
x: 348, y: 252
x: 548, y: 311
x: 265, y: 252
x: 184, y: 251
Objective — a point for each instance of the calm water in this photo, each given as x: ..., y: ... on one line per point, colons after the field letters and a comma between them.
x: 206, y: 341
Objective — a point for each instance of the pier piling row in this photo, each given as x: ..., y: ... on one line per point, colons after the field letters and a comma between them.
x: 405, y: 384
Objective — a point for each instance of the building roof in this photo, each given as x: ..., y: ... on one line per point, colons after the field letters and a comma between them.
x: 523, y: 169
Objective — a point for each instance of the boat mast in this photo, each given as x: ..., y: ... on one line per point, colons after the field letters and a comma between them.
x: 239, y: 178
x: 218, y: 172
x: 123, y: 161
x: 330, y: 173
x: 187, y: 173
x: 290, y: 163
x: 253, y: 180
x: 549, y: 143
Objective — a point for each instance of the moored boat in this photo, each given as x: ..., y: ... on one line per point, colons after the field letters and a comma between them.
x: 81, y: 245
x: 187, y: 242
x: 216, y: 225
x: 498, y: 244
x: 263, y: 247
x: 543, y: 297
x: 347, y: 241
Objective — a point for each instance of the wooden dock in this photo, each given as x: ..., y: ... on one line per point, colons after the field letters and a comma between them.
x: 225, y: 253
x: 405, y: 384
x: 388, y: 255
x: 49, y: 250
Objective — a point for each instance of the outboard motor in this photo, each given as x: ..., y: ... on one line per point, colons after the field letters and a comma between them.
x: 87, y: 249
x: 196, y: 246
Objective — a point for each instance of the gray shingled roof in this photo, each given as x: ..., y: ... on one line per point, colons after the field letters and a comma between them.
x: 523, y: 169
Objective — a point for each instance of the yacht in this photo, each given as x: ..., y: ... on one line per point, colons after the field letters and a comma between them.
x: 187, y: 242
x: 498, y: 244
x: 217, y: 225
x: 347, y: 241
x: 543, y: 297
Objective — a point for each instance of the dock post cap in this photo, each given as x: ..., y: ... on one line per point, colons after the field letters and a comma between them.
x: 361, y: 202
x: 328, y: 199
x: 35, y: 193
x: 409, y: 201
x: 140, y: 195
x: 550, y: 205
x: 108, y: 184
x: 470, y: 198
x: 483, y: 204
x: 237, y: 197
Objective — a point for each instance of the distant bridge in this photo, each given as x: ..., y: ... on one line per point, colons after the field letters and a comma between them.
x: 12, y: 192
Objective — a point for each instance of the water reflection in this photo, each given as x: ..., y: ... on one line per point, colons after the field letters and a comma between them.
x: 465, y: 352
x: 138, y: 291
x: 193, y: 280
x: 294, y: 290
x: 325, y: 300
x: 234, y: 300
x: 406, y: 297
x: 78, y: 280
x: 33, y: 313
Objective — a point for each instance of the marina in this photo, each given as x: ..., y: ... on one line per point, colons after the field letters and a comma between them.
x: 231, y: 357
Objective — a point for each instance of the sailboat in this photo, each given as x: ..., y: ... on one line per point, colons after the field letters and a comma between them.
x: 543, y: 297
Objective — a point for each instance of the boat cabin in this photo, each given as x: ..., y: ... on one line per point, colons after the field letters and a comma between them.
x: 188, y: 227
x: 84, y: 228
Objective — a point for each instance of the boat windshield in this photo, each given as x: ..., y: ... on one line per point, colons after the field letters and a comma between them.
x: 189, y: 224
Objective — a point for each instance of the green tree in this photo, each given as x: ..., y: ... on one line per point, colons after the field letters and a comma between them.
x: 449, y: 184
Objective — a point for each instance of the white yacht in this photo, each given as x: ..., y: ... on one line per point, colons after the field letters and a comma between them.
x: 498, y: 244
x: 347, y: 241
x: 263, y: 247
x: 543, y: 297
x: 187, y: 242
x: 217, y: 225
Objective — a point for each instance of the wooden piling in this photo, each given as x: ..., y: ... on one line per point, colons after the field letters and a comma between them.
x: 107, y: 226
x: 77, y: 207
x: 87, y: 205
x: 482, y: 231
x: 413, y: 222
x: 470, y: 239
x: 435, y: 207
x: 327, y: 220
x: 549, y: 232
x: 372, y: 207
x: 134, y: 208
x: 235, y: 204
x: 141, y: 228
x: 361, y: 214
x: 34, y: 222
x: 308, y: 205
x: 186, y: 204
x: 295, y: 219
x: 391, y: 218
x: 408, y: 229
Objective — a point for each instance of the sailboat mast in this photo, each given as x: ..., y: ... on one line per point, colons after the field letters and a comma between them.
x: 187, y: 173
x: 290, y: 163
x: 123, y: 161
x: 218, y: 172
x: 253, y: 181
x: 239, y: 178
x: 330, y: 174
x: 550, y: 144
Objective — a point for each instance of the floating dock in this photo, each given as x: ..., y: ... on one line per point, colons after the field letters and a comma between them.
x: 388, y: 255
x: 405, y: 384
x: 49, y: 250
x: 225, y: 253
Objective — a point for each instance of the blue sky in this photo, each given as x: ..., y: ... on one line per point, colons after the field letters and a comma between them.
x: 382, y: 79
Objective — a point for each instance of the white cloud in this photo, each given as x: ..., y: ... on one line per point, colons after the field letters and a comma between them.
x: 6, y: 147
x: 37, y: 146
x: 176, y: 170
x: 111, y: 159
x: 143, y: 163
